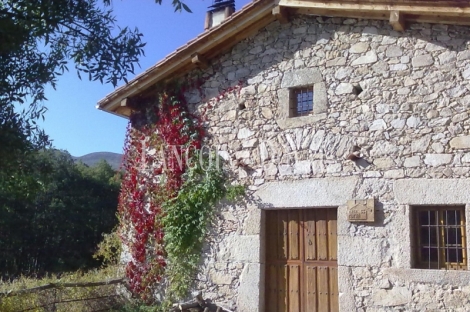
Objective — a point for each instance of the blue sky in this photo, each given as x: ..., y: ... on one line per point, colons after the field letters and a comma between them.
x: 72, y: 121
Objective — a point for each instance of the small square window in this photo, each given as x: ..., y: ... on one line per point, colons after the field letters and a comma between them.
x: 301, y: 101
x: 440, y: 240
x: 302, y: 98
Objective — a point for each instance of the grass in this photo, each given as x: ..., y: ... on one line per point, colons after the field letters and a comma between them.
x: 67, y: 299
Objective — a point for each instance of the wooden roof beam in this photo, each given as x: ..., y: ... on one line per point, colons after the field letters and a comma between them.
x: 124, y: 109
x: 397, y: 20
x: 408, y: 7
x: 382, y: 15
x: 199, y: 60
x: 281, y: 14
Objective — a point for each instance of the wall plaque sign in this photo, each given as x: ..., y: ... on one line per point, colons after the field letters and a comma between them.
x: 361, y: 210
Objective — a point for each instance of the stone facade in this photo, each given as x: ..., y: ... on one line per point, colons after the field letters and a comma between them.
x: 410, y: 121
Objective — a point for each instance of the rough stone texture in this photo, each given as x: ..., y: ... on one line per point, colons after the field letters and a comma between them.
x: 347, y: 302
x: 344, y: 88
x: 368, y: 58
x: 307, y: 193
x: 392, y: 297
x: 303, y: 167
x: 422, y: 60
x: 249, y: 289
x: 220, y: 278
x: 301, y: 77
x: 394, y: 51
x: 432, y: 192
x: 371, y: 256
x: 437, y: 159
x: 421, y: 144
x: 252, y: 225
x: 410, y: 123
x: 244, y: 133
x: 394, y: 174
x: 359, y: 47
x: 413, y: 161
x: 462, y: 142
x: 242, y: 248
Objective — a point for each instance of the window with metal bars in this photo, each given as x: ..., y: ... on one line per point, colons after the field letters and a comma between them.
x: 440, y: 237
x: 301, y: 103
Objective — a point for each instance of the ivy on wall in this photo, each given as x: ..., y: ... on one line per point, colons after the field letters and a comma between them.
x: 168, y: 192
x: 186, y: 219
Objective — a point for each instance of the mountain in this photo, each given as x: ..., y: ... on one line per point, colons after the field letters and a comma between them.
x: 91, y: 159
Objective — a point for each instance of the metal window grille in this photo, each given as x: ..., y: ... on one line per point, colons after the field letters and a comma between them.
x: 302, y: 103
x: 441, y: 239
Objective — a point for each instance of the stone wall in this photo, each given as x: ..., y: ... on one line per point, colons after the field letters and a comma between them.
x: 410, y: 122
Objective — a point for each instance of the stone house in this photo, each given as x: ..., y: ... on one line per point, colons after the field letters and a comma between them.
x: 350, y: 130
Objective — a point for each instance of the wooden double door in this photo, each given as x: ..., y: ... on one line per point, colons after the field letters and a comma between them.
x: 301, y: 260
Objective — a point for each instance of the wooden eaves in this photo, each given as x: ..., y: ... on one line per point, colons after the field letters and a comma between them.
x: 398, y: 12
x: 259, y: 13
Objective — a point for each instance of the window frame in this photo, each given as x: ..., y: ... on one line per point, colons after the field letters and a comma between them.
x: 442, y: 263
x: 301, y: 78
x: 294, y: 101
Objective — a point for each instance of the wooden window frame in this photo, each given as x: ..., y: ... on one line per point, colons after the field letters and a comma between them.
x: 442, y: 230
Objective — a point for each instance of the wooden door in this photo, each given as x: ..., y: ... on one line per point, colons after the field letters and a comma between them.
x: 301, y: 260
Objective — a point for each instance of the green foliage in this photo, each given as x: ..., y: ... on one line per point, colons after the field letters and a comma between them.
x: 17, y: 164
x: 234, y: 192
x: 39, y: 40
x: 137, y: 306
x: 109, y: 249
x: 58, y: 225
x: 186, y: 220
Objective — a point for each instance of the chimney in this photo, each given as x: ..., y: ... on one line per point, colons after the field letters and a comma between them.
x: 219, y: 11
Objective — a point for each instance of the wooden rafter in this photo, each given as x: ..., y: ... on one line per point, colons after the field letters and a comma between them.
x: 397, y: 20
x: 384, y: 16
x: 454, y: 8
x: 199, y: 60
x: 281, y: 14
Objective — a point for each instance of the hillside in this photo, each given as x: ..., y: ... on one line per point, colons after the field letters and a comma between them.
x: 91, y: 159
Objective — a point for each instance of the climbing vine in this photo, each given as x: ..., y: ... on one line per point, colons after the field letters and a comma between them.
x: 187, y: 216
x: 168, y: 192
